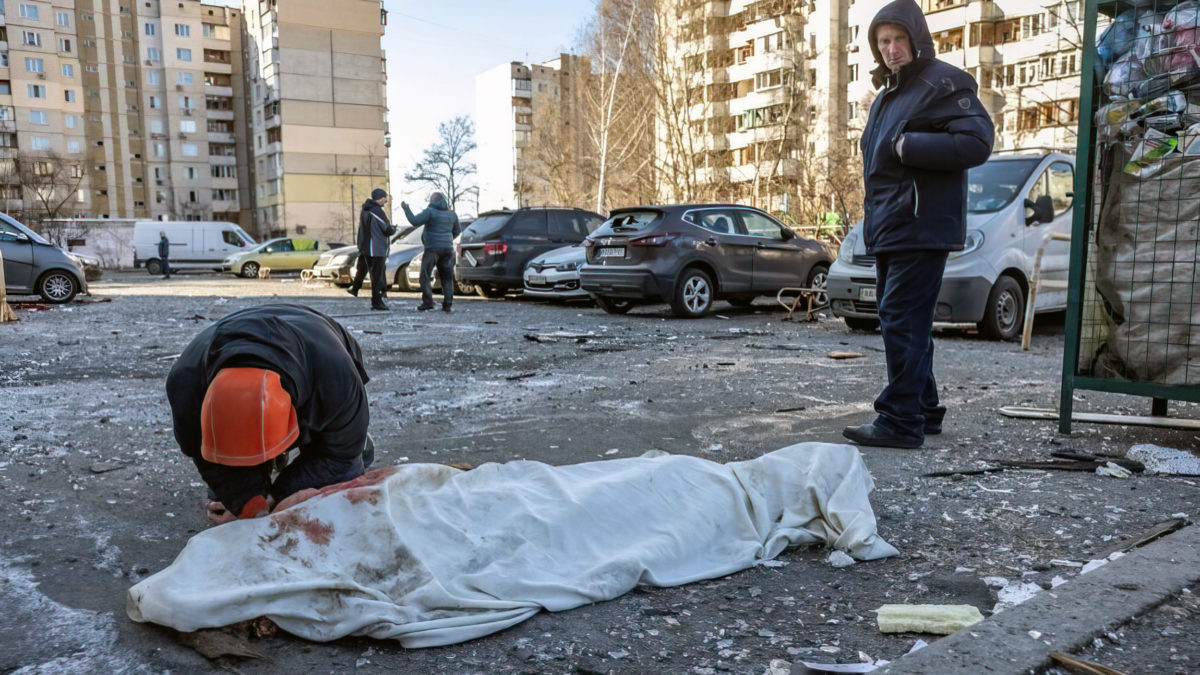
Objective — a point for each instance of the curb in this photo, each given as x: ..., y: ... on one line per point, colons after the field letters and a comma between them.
x: 1065, y: 617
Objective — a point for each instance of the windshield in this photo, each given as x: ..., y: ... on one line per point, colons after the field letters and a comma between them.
x: 992, y: 185
x: 487, y: 225
x: 629, y: 221
x: 249, y: 241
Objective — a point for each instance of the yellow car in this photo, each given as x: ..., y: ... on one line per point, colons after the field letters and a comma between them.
x: 287, y: 254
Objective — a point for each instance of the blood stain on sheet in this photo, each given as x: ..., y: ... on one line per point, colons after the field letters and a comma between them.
x: 313, y: 529
x: 360, y: 495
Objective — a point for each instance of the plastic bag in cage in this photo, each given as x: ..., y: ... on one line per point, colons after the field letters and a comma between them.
x: 1124, y: 77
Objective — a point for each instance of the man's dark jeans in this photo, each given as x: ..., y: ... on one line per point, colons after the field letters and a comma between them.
x: 361, y: 266
x: 166, y: 268
x: 443, y: 259
x: 907, y: 284
x: 378, y: 283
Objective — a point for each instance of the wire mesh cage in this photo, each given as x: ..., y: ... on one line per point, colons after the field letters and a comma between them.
x: 1133, y: 322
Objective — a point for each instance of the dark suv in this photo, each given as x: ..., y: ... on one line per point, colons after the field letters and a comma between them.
x: 494, y: 250
x: 691, y: 255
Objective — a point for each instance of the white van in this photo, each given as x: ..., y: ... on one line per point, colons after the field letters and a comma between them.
x: 1014, y: 203
x: 195, y: 244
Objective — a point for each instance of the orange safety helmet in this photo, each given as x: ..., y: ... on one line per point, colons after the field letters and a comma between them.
x: 247, y: 418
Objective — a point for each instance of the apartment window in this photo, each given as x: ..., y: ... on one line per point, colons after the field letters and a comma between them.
x: 7, y: 113
x: 183, y: 54
x: 64, y: 45
x: 160, y: 149
x: 184, y: 78
x: 155, y: 103
x: 187, y: 126
x: 38, y: 117
x: 183, y: 30
x: 69, y: 95
x: 37, y: 90
x: 224, y: 171
x: 5, y: 88
x: 68, y: 70
x: 71, y: 121
x: 851, y: 110
x: 185, y: 102
x: 3, y: 59
x: 153, y: 54
x: 225, y: 195
x: 63, y: 19
x: 150, y: 29
x: 156, y: 126
x: 39, y: 143
x: 8, y: 140
x: 32, y: 38
x: 193, y: 196
x: 29, y: 11
x: 854, y: 72
x: 189, y: 149
x: 153, y: 77
x: 771, y: 79
x: 74, y: 146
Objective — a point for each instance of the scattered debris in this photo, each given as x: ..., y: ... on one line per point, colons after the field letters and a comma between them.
x: 795, y: 409
x: 840, y: 559
x: 1113, y: 470
x: 781, y: 347
x: 1081, y: 666
x: 522, y: 376
x: 461, y: 466
x: 373, y: 332
x: 867, y: 666
x: 105, y: 467
x: 168, y: 357
x: 1011, y: 593
x: 936, y: 619
x: 1063, y: 461
x: 844, y: 355
x: 1160, y: 460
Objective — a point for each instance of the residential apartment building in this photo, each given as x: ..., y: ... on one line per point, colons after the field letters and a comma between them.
x: 515, y: 101
x: 777, y: 91
x: 1025, y: 55
x: 142, y: 109
x: 318, y: 112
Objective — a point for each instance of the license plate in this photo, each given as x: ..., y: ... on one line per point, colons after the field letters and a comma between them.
x: 470, y: 258
x: 536, y: 279
x: 611, y: 252
x: 866, y: 294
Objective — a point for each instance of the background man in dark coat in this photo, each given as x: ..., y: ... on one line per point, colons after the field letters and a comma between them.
x: 374, y: 232
x: 926, y: 128
x: 441, y: 227
x: 254, y: 385
x: 164, y: 254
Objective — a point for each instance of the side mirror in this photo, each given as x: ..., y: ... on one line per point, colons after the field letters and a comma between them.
x: 788, y: 234
x: 1043, y: 210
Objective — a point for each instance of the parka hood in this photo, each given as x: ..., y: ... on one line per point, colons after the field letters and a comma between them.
x: 906, y: 14
x: 369, y: 204
x: 438, y: 201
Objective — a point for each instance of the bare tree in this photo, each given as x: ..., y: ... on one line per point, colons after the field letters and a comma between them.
x: 553, y: 168
x: 445, y: 166
x: 48, y: 182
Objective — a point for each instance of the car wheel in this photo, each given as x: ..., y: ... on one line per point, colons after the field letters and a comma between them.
x: 250, y: 270
x: 613, y: 305
x: 491, y: 291
x: 859, y: 323
x: 741, y: 302
x: 819, y: 278
x: 402, y: 279
x: 154, y: 267
x: 693, y: 294
x: 57, y: 286
x: 1004, y: 313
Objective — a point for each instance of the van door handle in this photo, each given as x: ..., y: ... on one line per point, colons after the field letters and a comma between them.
x: 760, y: 245
x: 711, y: 241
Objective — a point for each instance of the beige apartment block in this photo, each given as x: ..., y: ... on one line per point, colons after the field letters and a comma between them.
x: 515, y: 101
x: 1025, y: 54
x: 318, y: 126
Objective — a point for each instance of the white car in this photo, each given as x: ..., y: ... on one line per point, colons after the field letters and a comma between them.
x: 555, y: 274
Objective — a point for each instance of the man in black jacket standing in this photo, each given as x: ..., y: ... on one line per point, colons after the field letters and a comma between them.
x: 254, y: 385
x: 926, y: 128
x: 374, y: 232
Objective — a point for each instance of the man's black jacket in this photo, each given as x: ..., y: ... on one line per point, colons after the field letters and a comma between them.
x: 320, y: 367
x: 917, y: 200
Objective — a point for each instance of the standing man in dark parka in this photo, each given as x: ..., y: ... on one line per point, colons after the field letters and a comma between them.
x: 374, y: 232
x: 441, y: 227
x: 926, y: 128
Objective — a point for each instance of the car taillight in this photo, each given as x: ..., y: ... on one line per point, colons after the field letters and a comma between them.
x: 654, y: 239
x: 495, y: 249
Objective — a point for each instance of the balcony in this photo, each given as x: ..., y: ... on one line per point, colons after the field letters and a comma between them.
x: 218, y: 90
x: 522, y: 89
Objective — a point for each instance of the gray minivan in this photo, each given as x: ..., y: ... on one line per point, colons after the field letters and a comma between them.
x: 34, y: 265
x: 1014, y: 203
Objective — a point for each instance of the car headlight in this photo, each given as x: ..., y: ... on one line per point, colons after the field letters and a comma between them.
x: 340, y: 259
x: 567, y: 266
x: 846, y: 250
x: 974, y: 241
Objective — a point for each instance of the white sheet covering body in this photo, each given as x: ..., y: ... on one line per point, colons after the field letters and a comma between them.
x: 432, y: 555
